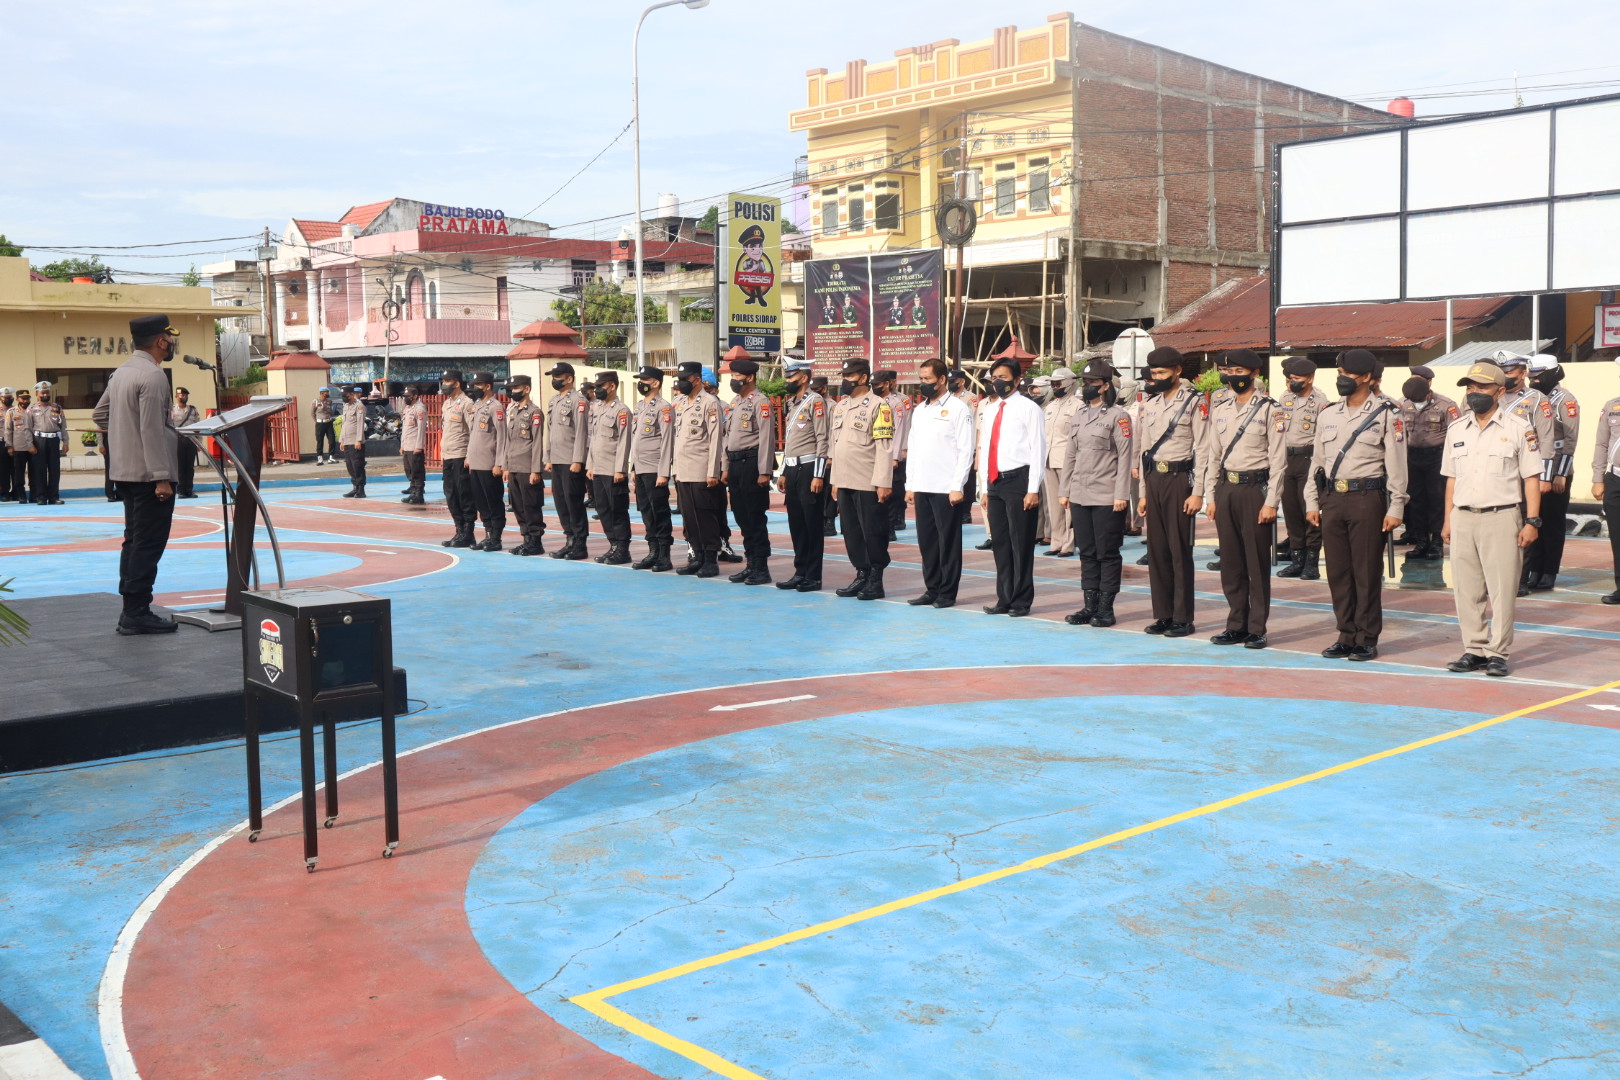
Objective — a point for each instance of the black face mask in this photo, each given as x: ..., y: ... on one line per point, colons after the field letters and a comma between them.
x: 1158, y: 386
x: 600, y: 393
x: 847, y: 387
x: 684, y: 384
x: 1090, y: 392
x: 1544, y: 385
x: 557, y: 382
x: 1345, y: 385
x: 1514, y: 382
x: 929, y: 390
x: 644, y: 387
x: 1059, y: 391
x: 444, y: 388
x: 1480, y: 404
x: 1296, y: 387
x: 1003, y: 388
x: 795, y: 387
x: 476, y: 393
x: 1239, y: 383
x: 738, y: 386
x: 517, y: 393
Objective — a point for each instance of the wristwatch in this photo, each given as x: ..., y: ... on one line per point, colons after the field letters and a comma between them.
x: 1533, y: 521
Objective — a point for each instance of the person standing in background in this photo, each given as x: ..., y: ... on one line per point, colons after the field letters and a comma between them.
x: 1059, y: 409
x: 941, y: 456
x: 1095, y: 487
x: 1606, y: 482
x: 8, y: 399
x: 413, y: 446
x: 1545, y: 557
x: 181, y: 414
x: 525, y: 486
x: 607, y: 466
x: 486, y: 456
x: 1012, y: 460
x: 886, y: 385
x: 803, y: 482
x: 322, y: 411
x: 353, y: 440
x: 455, y: 425
x: 651, y: 426
x: 568, y: 433
x: 1427, y: 416
x: 47, y: 426
x: 1300, y: 407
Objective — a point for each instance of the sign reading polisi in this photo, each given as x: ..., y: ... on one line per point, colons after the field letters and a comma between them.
x: 461, y: 219
x: 753, y: 250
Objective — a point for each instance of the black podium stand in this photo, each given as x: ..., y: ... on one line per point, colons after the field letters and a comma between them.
x: 240, y: 433
x: 311, y: 649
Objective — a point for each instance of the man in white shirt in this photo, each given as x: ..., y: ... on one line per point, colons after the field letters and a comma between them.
x: 1012, y: 460
x: 939, y: 450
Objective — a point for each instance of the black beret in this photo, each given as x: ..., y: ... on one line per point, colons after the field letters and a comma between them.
x: 1300, y: 365
x: 561, y: 367
x: 744, y: 367
x: 690, y: 367
x: 650, y: 372
x: 886, y: 375
x: 1098, y: 368
x: 1424, y: 371
x: 818, y: 382
x: 181, y: 390
x: 483, y: 378
x: 956, y: 373
x: 1243, y: 358
x: 1358, y: 362
x: 1166, y: 356
x: 856, y: 365
x: 451, y: 375
x: 150, y: 326
x: 608, y: 377
x: 519, y: 380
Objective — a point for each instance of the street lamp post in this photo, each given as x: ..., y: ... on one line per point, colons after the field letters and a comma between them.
x: 635, y: 120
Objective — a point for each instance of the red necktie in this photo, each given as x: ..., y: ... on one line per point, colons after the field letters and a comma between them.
x: 995, y: 442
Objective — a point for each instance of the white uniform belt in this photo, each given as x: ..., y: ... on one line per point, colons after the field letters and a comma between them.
x: 47, y: 434
x: 805, y: 459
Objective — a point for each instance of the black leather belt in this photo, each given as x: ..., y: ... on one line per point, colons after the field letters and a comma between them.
x: 1258, y: 476
x: 1172, y: 466
x: 1300, y: 451
x: 1489, y: 509
x: 738, y: 455
x: 1345, y: 487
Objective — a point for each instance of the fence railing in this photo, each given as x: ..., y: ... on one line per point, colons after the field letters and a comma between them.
x: 280, y: 429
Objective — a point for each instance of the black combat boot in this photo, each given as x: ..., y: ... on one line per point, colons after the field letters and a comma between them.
x: 578, y: 552
x: 1104, y: 615
x: 760, y: 574
x: 618, y: 554
x: 873, y: 589
x: 1084, y: 616
x: 1296, y: 563
x: 1313, y: 565
x: 649, y: 560
x: 492, y: 542
x: 462, y: 539
x: 694, y: 563
x: 853, y: 588
x: 742, y: 575
x: 662, y: 564
x: 711, y: 565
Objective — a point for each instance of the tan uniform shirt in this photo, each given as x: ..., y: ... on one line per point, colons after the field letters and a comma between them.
x: 901, y: 406
x: 1059, y: 411
x: 568, y: 429
x: 1606, y: 450
x: 1490, y: 463
x: 1097, y: 458
x: 1261, y: 446
x: 862, y: 457
x: 525, y: 438
x: 181, y: 415
x: 1187, y: 409
x: 18, y: 437
x: 609, y: 451
x: 697, y: 450
x: 413, y: 429
x: 751, y: 427
x: 1566, y: 430
x: 455, y: 424
x: 1378, y: 451
x: 807, y: 431
x: 486, y: 442
x: 47, y: 422
x: 1530, y: 404
x: 134, y: 412
x: 651, y: 429
x: 1301, y: 413
x: 1426, y: 423
x: 354, y: 424
x: 321, y: 409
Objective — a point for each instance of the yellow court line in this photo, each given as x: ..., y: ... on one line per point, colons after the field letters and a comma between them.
x: 595, y: 1001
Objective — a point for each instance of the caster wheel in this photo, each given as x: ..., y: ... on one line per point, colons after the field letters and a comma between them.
x: 388, y: 853
x: 253, y: 837
x: 327, y: 824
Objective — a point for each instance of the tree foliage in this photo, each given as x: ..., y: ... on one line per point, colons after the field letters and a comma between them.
x: 7, y: 248
x: 191, y: 277
x: 710, y: 220
x: 68, y: 269
x: 605, y: 303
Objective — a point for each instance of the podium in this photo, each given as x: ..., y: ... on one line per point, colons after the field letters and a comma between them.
x: 240, y: 433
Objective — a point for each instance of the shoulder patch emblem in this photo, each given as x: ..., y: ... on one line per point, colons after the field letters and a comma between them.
x: 1282, y: 425
x: 1454, y: 412
x: 1546, y: 409
x: 624, y: 419
x: 583, y: 405
x: 883, y: 424
x: 1124, y: 423
x: 1572, y: 409
x: 1530, y: 438
x: 821, y: 408
x: 664, y: 414
x: 1400, y: 430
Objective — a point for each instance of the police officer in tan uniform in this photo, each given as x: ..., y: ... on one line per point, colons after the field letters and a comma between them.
x: 47, y: 427
x: 352, y: 442
x: 1060, y: 409
x: 886, y: 384
x: 567, y: 445
x: 1169, y: 446
x: 750, y: 465
x: 862, y: 470
x: 1095, y: 488
x: 7, y: 400
x: 20, y: 447
x: 524, y: 464
x: 455, y: 424
x: 803, y: 483
x: 1546, y: 556
x: 1426, y: 415
x: 181, y: 413
x: 413, y: 445
x: 1606, y: 482
x: 1357, y: 495
x: 1298, y: 410
x: 486, y: 455
x: 829, y: 513
x: 1492, y: 464
x: 322, y: 411
x: 607, y: 465
x: 1247, y: 457
x: 651, y: 428
x: 694, y: 458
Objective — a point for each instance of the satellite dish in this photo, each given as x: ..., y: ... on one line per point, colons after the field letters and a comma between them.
x: 1131, y: 350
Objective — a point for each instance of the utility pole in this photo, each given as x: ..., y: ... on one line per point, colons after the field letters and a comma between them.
x: 1074, y: 333
x: 267, y: 253
x: 961, y: 281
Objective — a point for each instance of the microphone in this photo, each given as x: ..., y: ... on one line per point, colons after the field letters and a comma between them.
x: 199, y: 362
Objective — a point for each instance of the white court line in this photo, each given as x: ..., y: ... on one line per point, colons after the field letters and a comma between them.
x: 756, y: 704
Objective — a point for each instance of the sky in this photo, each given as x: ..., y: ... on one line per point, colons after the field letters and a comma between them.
x: 184, y: 122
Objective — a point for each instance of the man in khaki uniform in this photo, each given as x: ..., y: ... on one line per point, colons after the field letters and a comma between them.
x: 413, y: 445
x: 1426, y: 415
x: 695, y: 459
x: 7, y: 400
x: 750, y: 464
x: 523, y: 464
x: 1095, y: 490
x: 607, y: 466
x: 1357, y: 495
x: 1247, y: 457
x: 1169, y: 445
x: 652, y: 426
x: 455, y: 424
x: 567, y: 445
x: 47, y: 425
x: 352, y: 441
x: 323, y: 411
x: 886, y: 384
x: 181, y: 413
x: 486, y: 455
x: 1299, y: 409
x: 20, y: 446
x: 1606, y: 482
x: 1492, y: 462
x: 1059, y: 409
x: 803, y: 483
x: 862, y: 470
x: 1546, y: 556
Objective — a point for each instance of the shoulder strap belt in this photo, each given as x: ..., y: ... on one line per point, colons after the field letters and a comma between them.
x: 1254, y: 410
x: 1152, y: 454
x: 1376, y: 417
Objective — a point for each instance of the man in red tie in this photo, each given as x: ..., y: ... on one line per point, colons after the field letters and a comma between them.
x: 1012, y: 460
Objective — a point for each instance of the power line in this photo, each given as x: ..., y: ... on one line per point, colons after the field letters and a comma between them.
x: 611, y: 143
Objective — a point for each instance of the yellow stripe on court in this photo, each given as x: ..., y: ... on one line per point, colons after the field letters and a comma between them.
x: 595, y: 1001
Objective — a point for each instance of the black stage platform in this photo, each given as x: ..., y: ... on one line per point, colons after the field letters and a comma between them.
x: 77, y: 691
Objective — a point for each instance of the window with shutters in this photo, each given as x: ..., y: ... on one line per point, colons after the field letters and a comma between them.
x: 1006, y: 189
x: 1040, y: 186
x: 857, y: 208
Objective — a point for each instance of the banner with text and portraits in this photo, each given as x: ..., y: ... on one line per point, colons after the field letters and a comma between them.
x: 884, y: 308
x: 751, y: 276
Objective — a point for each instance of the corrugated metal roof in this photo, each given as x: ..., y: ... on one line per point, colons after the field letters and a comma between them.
x: 1236, y: 316
x: 1463, y: 355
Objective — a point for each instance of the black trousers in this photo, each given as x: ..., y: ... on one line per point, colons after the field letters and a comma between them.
x: 653, y: 503
x: 325, y: 439
x: 1353, y: 543
x: 528, y: 506
x: 568, y: 499
x: 829, y: 510
x: 1170, y: 545
x: 1546, y: 555
x: 1426, y: 512
x: 1611, y: 513
x: 612, y: 506
x: 703, y: 514
x: 1245, y: 555
x: 866, y: 528
x: 488, y: 500
x: 20, y: 475
x: 5, y: 471
x: 415, y: 463
x: 146, y: 533
x: 897, y: 499
x: 749, y: 501
x: 939, y: 538
x: 806, y: 511
x: 354, y: 459
x: 458, y: 494
x: 45, y: 469
x: 1099, y: 533
x: 1012, y: 538
x: 1301, y: 533
x: 188, y: 467
x: 970, y: 495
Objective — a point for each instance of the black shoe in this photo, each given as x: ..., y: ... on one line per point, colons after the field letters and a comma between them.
x: 1544, y: 583
x: 1313, y: 565
x: 986, y: 546
x: 663, y: 564
x: 352, y: 493
x: 360, y: 493
x: 921, y: 601
x: 727, y: 555
x: 524, y: 548
x: 1047, y: 540
x: 1337, y: 651
x: 1017, y: 612
x: 1524, y: 588
x: 1496, y: 666
x: 1084, y: 615
x: 1229, y: 637
x: 461, y: 540
x: 183, y: 495
x: 853, y: 588
x: 1283, y: 550
x: 110, y: 498
x: 1610, y: 598
x: 809, y: 585
x: 1405, y: 540
x: 646, y: 562
x: 491, y: 543
x: 1105, y: 610
x: 1143, y: 560
x: 759, y: 575
x: 997, y: 609
x: 740, y: 576
x: 829, y: 529
x: 710, y: 567
x: 1362, y: 653
x: 1180, y: 629
x: 1467, y: 662
x: 1157, y: 626
x: 148, y: 623
x: 405, y: 490
x: 617, y: 554
x: 1214, y: 564
x: 873, y: 589
x: 1256, y: 641
x: 577, y: 553
x: 1296, y: 564
x: 790, y: 583
x: 945, y: 603
x: 691, y: 567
